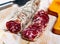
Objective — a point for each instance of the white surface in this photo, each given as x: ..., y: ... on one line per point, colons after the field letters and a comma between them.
x: 44, y: 4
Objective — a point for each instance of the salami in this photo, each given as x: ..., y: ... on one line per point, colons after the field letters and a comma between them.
x: 23, y: 16
x: 34, y: 30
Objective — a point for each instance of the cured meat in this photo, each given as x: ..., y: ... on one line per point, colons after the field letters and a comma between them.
x: 34, y: 30
x: 13, y: 26
x: 24, y: 15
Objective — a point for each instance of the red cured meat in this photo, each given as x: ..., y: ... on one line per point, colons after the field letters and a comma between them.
x: 13, y: 26
x: 39, y: 22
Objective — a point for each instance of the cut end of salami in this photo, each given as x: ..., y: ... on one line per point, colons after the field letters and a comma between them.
x: 13, y: 26
x: 38, y: 25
